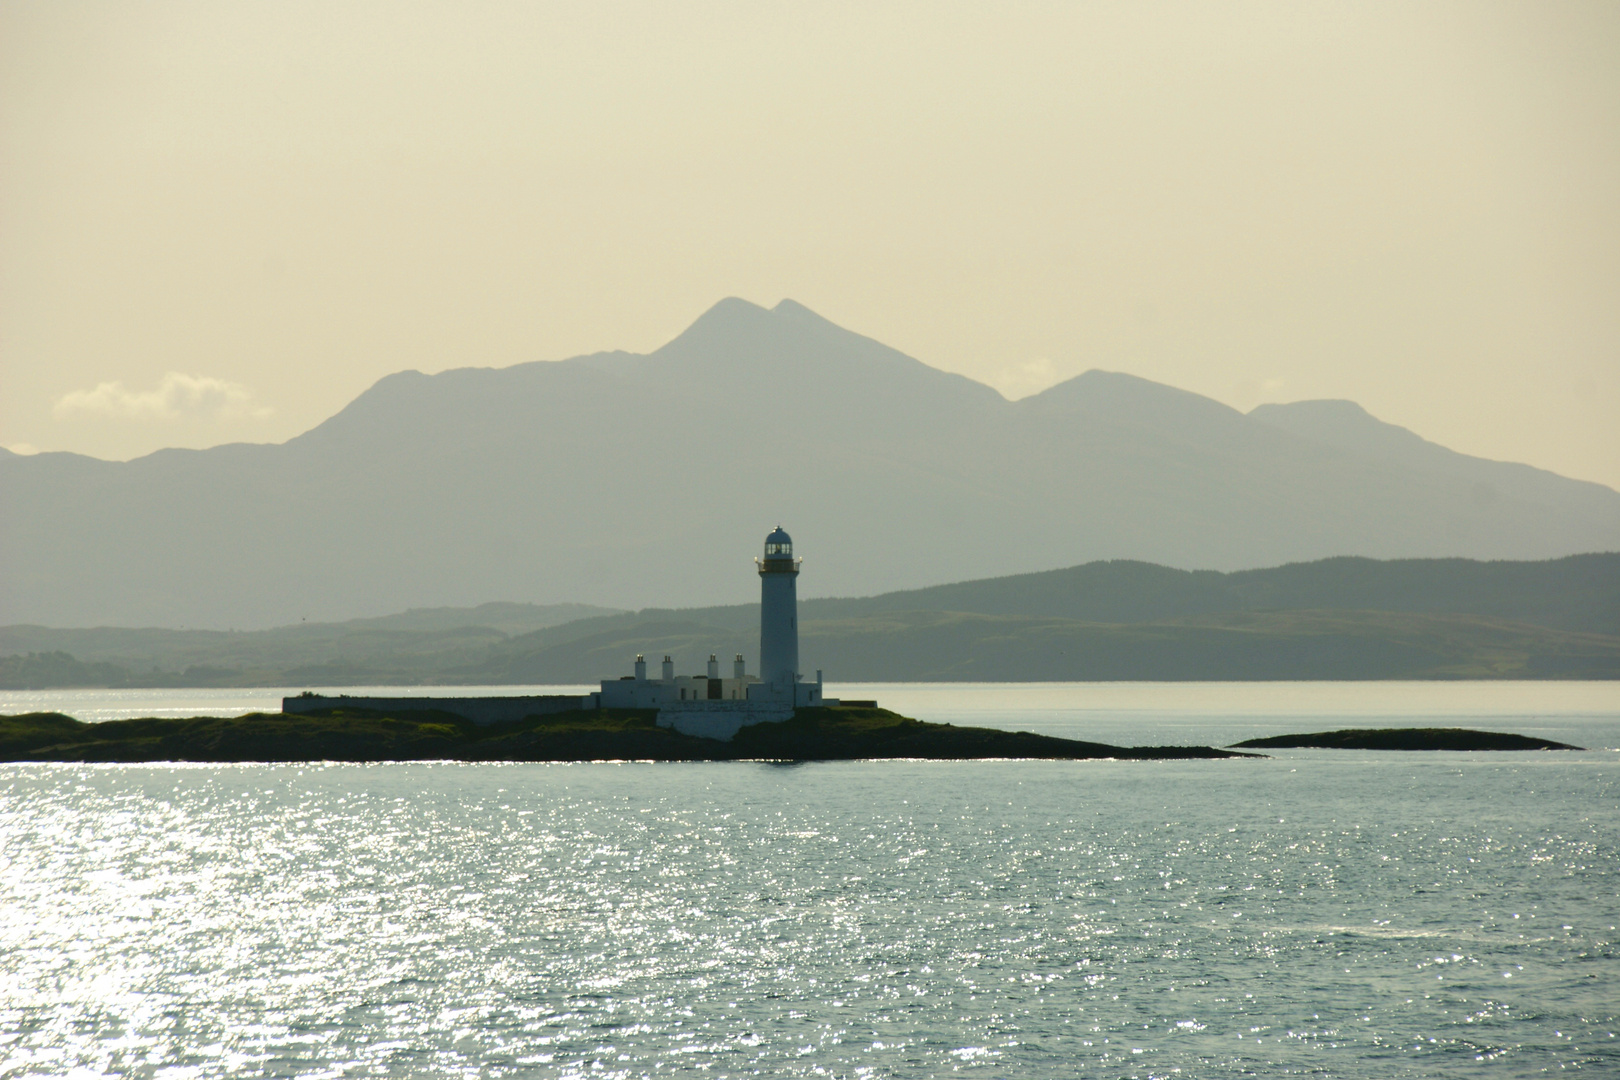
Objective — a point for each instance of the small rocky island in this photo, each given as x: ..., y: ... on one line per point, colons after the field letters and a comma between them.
x: 1406, y: 739
x: 836, y: 733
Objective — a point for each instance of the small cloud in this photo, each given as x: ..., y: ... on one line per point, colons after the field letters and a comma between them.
x: 23, y: 448
x: 1026, y: 377
x: 178, y: 396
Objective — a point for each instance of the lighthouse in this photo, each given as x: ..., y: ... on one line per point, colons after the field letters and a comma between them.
x: 717, y: 708
x: 778, y: 612
x: 705, y: 706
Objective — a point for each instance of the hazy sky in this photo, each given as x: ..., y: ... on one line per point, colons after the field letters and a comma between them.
x: 222, y: 221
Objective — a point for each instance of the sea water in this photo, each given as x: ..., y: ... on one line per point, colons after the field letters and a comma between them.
x: 1332, y: 913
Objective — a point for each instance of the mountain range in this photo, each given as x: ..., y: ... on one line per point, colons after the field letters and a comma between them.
x: 628, y: 480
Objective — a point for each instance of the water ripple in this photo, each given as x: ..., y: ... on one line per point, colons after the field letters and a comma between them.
x: 904, y: 919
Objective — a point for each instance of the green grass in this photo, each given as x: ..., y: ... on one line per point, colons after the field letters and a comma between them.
x: 253, y: 737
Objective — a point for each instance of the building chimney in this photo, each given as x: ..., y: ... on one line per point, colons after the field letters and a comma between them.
x: 714, y: 667
x: 738, y: 671
x: 669, y: 669
x: 641, y: 668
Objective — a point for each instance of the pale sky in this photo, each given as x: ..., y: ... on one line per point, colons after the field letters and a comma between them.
x: 222, y: 221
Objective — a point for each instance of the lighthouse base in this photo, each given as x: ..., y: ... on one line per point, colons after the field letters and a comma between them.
x: 767, y: 703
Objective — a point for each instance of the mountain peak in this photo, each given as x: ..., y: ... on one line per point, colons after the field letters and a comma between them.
x: 734, y: 313
x: 1342, y: 410
x: 829, y: 370
x: 725, y: 316
x: 1339, y: 423
x: 789, y: 308
x: 1131, y: 399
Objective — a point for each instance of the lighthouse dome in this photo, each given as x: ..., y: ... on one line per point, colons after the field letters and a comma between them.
x: 779, y: 544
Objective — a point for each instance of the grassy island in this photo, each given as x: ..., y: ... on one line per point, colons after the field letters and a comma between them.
x: 819, y: 734
x: 1407, y: 739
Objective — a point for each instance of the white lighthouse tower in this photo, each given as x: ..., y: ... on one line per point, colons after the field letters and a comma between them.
x: 778, y: 612
x: 711, y: 707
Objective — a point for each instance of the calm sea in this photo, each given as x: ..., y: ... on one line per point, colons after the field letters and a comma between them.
x: 1324, y: 913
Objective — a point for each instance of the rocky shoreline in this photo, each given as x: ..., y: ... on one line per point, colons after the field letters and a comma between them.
x: 1406, y: 739
x: 817, y: 734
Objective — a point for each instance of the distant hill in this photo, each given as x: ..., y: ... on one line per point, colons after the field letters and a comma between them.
x: 1579, y: 592
x: 402, y: 647
x: 507, y: 618
x: 1345, y: 618
x: 965, y: 647
x: 1332, y: 619
x: 631, y: 479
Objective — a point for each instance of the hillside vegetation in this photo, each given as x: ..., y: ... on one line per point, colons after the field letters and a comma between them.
x: 1332, y: 619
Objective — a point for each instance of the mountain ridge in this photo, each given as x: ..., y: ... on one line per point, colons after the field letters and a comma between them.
x: 621, y: 478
